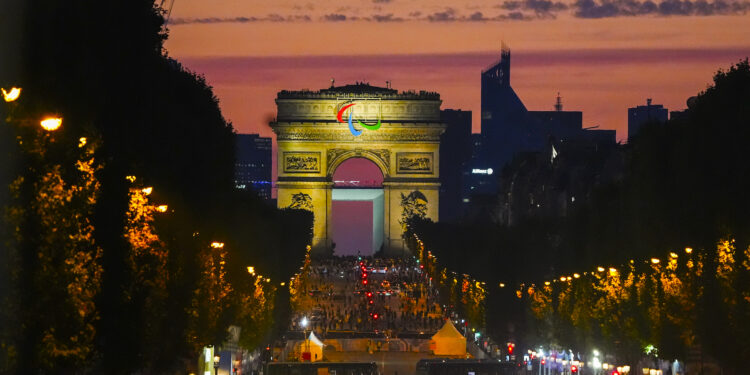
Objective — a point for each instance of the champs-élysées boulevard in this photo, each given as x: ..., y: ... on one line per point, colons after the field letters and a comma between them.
x: 375, y: 187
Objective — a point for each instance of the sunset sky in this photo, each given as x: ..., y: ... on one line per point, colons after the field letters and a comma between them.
x: 602, y: 56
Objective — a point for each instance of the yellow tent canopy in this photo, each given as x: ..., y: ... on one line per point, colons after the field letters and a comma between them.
x: 448, y: 341
x: 314, y: 346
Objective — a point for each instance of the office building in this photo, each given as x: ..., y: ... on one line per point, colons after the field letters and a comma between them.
x: 252, y: 169
x: 645, y: 114
x: 455, y: 151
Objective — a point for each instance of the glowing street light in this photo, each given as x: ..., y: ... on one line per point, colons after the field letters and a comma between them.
x: 673, y: 255
x: 688, y: 250
x: 217, y: 359
x: 304, y: 322
x: 600, y: 269
x: 251, y: 270
x: 575, y: 275
x: 502, y: 285
x: 11, y: 95
x: 147, y: 190
x: 81, y: 142
x: 51, y: 123
x: 162, y: 208
x: 217, y: 245
x: 655, y: 260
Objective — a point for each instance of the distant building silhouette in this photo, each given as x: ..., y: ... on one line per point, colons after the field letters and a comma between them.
x: 456, y: 150
x: 553, y: 182
x: 644, y: 114
x: 503, y: 114
x: 509, y: 128
x: 479, y: 176
x: 684, y: 114
x: 252, y: 168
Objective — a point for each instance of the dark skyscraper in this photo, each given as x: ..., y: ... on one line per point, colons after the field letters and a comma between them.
x: 503, y: 113
x: 513, y: 136
x: 508, y: 128
x: 252, y: 169
x: 455, y: 151
x: 644, y: 114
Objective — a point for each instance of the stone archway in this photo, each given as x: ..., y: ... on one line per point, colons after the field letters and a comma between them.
x: 312, y: 143
x: 357, y: 208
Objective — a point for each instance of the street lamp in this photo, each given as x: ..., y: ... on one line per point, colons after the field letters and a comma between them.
x: 596, y: 363
x: 216, y: 364
x: 304, y: 322
x: 51, y: 123
x: 12, y: 95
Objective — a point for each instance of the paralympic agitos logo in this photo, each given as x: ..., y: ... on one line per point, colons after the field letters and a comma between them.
x: 352, y: 119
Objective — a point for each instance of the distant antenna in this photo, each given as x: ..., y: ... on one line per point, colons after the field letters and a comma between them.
x: 558, y: 103
x: 387, y: 84
x: 333, y: 80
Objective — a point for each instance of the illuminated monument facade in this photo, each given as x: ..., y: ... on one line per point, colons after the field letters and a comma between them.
x: 399, y: 132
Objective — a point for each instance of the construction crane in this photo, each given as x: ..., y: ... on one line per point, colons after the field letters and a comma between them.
x: 168, y: 10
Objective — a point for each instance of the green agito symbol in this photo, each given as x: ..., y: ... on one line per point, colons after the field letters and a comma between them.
x: 354, y: 131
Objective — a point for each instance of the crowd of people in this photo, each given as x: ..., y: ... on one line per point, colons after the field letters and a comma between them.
x: 368, y: 295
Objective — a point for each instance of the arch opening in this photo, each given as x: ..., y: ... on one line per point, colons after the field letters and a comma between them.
x: 357, y: 207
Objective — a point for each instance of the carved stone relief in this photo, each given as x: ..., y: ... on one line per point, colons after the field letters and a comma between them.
x: 414, y: 162
x: 301, y: 162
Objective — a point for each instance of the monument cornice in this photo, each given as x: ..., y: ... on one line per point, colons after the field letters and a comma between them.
x: 326, y: 131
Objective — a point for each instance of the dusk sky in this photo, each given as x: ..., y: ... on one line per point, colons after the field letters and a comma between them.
x: 602, y: 56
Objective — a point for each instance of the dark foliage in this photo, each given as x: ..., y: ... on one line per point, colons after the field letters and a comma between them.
x: 102, y: 67
x: 685, y: 185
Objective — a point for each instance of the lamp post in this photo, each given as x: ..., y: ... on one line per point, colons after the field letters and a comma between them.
x: 304, y: 322
x: 216, y: 364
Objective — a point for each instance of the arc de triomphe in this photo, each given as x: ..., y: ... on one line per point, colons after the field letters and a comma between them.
x: 399, y: 132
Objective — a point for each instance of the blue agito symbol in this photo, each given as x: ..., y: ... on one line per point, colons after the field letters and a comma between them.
x: 352, y: 129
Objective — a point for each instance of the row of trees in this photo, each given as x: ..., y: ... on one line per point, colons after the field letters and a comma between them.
x: 669, y: 304
x: 683, y: 185
x: 460, y: 292
x: 106, y: 257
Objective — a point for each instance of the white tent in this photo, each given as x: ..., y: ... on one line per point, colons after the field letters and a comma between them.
x: 448, y: 341
x: 314, y: 346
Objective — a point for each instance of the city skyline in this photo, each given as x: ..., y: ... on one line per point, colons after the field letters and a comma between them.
x: 145, y: 232
x: 601, y: 66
